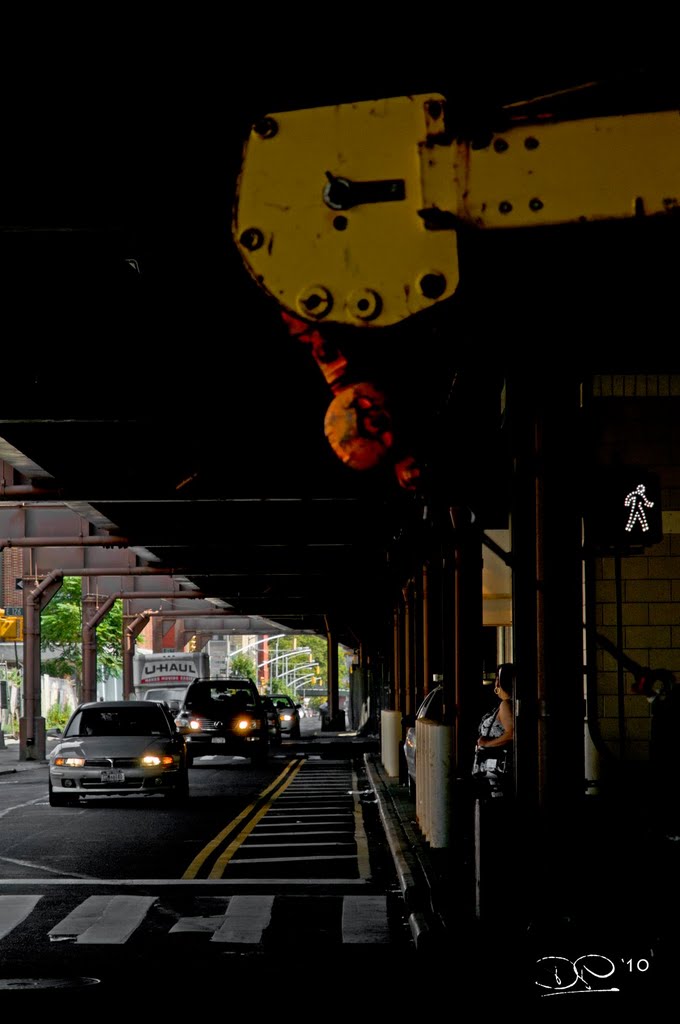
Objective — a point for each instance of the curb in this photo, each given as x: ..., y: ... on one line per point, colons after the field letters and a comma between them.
x: 22, y: 766
x: 412, y: 882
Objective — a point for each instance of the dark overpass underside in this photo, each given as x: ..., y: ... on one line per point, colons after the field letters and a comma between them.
x: 148, y: 377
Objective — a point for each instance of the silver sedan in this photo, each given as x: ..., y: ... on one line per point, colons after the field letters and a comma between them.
x: 116, y: 748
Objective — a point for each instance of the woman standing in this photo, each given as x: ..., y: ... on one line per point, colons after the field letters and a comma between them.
x: 493, y: 754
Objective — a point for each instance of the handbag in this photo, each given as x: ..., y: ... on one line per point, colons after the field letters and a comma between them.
x: 491, y: 761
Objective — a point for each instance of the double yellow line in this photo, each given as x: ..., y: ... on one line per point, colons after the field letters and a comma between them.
x: 262, y: 803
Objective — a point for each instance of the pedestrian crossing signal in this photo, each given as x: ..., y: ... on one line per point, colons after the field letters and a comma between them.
x: 625, y: 509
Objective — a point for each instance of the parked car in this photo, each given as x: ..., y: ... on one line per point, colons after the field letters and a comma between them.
x: 115, y: 748
x: 289, y: 714
x: 433, y: 708
x: 224, y: 716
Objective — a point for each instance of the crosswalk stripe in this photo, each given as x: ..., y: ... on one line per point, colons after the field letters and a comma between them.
x: 241, y: 920
x: 245, y: 920
x: 13, y: 910
x: 108, y: 920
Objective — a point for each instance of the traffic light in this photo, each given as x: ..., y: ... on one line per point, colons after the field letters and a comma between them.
x: 623, y: 509
x: 193, y: 643
x: 11, y: 627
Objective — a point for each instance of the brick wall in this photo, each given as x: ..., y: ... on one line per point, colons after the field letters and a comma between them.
x: 636, y: 420
x: 12, y: 568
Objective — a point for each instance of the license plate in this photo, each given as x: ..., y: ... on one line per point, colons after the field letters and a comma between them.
x: 219, y: 739
x: 114, y: 775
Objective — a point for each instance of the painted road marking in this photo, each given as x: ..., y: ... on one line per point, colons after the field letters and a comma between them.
x: 13, y: 910
x: 106, y: 920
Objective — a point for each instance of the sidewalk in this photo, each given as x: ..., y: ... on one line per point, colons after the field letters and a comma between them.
x: 9, y: 758
x: 426, y: 876
x: 600, y: 883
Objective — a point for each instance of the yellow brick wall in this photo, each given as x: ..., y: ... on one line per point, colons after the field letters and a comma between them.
x: 646, y: 433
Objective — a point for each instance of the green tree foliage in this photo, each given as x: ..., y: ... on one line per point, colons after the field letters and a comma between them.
x: 243, y: 667
x: 58, y: 715
x: 61, y: 632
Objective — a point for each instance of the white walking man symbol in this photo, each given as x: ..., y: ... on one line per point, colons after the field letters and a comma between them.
x: 637, y: 501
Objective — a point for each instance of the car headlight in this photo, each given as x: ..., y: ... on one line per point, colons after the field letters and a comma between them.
x: 155, y: 759
x: 69, y: 762
x: 194, y: 723
x: 286, y: 718
x: 248, y: 723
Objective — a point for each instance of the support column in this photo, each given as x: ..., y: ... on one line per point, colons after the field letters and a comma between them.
x: 467, y: 581
x: 90, y: 639
x: 426, y: 628
x: 157, y: 636
x: 548, y: 626
x: 130, y: 633
x: 89, y: 608
x: 560, y: 623
x: 395, y: 673
x: 32, y: 724
x: 408, y: 659
x: 333, y: 681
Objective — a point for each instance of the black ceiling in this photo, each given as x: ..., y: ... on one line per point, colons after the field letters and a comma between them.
x: 167, y: 393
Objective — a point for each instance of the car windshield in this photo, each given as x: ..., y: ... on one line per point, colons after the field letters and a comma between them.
x: 149, y: 721
x: 283, y: 700
x: 225, y: 696
x: 165, y: 694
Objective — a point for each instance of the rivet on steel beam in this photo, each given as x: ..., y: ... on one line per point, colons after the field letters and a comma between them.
x: 251, y: 239
x: 315, y: 301
x: 432, y: 285
x: 266, y: 128
x: 535, y: 204
x: 505, y: 207
x: 531, y: 143
x: 500, y: 145
x: 364, y: 304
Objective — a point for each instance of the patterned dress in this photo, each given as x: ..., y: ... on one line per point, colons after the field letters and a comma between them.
x: 493, y: 764
x: 490, y: 726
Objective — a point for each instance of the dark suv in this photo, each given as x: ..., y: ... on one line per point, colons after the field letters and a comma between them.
x: 224, y: 716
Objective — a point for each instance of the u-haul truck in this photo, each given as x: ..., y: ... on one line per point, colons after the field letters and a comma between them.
x: 166, y: 676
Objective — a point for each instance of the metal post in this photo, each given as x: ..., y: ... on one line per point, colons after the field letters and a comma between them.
x: 395, y: 691
x: 129, y: 635
x: 333, y: 687
x: 89, y: 679
x: 408, y: 673
x: 32, y: 724
x: 620, y: 685
x: 90, y: 623
x: 426, y: 629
